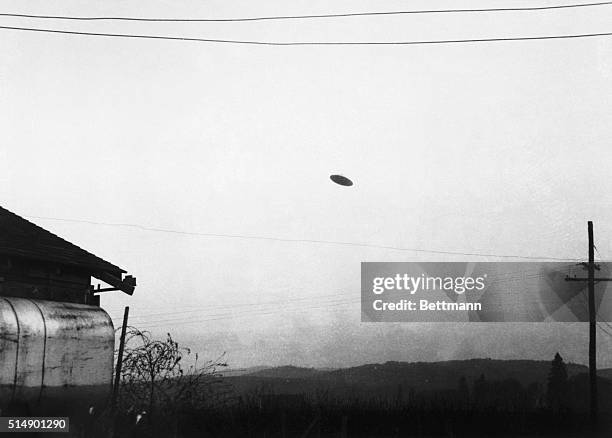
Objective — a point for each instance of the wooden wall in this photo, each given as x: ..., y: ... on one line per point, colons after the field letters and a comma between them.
x: 44, y: 281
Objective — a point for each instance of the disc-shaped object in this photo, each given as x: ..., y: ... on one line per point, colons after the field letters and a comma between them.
x: 341, y: 180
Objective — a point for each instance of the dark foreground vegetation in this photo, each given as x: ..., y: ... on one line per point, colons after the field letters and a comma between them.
x: 353, y: 419
x: 161, y: 396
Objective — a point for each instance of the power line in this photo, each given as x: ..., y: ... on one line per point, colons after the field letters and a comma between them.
x: 248, y: 314
x: 257, y: 304
x: 309, y: 241
x: 190, y: 308
x: 308, y: 16
x: 598, y: 253
x: 157, y: 322
x: 329, y: 300
x: 308, y: 43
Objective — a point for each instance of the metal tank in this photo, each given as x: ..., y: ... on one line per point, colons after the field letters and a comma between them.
x: 55, y: 358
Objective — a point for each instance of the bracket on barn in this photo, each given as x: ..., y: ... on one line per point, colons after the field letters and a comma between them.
x: 126, y: 285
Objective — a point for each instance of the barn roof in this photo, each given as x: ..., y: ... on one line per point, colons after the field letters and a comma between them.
x: 22, y: 238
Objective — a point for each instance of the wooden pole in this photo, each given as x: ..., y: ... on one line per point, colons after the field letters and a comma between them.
x: 592, y: 329
x: 590, y: 279
x: 126, y: 313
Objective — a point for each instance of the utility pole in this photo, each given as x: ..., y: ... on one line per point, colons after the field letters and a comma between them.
x: 591, y: 268
x: 126, y: 313
x: 592, y: 327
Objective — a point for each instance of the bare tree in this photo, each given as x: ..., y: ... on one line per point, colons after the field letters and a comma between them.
x: 158, y: 375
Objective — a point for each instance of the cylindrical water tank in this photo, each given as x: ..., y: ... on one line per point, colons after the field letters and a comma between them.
x: 54, y: 357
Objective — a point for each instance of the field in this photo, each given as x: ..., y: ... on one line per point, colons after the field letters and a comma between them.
x: 452, y: 399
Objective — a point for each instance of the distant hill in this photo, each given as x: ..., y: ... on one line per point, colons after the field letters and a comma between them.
x: 421, y: 375
x: 288, y: 372
x: 444, y: 375
x: 242, y: 371
x: 391, y: 377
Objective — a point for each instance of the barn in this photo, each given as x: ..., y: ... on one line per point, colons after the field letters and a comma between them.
x: 56, y: 343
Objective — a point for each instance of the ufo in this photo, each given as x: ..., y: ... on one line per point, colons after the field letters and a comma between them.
x: 341, y: 180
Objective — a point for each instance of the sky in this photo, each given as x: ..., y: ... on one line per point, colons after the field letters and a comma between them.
x: 485, y: 148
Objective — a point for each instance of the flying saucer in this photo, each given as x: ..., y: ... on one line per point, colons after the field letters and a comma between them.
x: 341, y: 180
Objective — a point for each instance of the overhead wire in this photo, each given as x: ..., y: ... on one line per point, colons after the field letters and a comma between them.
x: 211, y: 318
x: 229, y: 309
x: 306, y: 43
x: 331, y: 300
x: 308, y: 241
x: 254, y: 304
x: 310, y: 16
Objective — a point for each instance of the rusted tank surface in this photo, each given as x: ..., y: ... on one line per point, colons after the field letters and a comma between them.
x: 54, y: 357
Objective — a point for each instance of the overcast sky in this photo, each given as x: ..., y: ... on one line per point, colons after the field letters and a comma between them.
x: 494, y: 148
